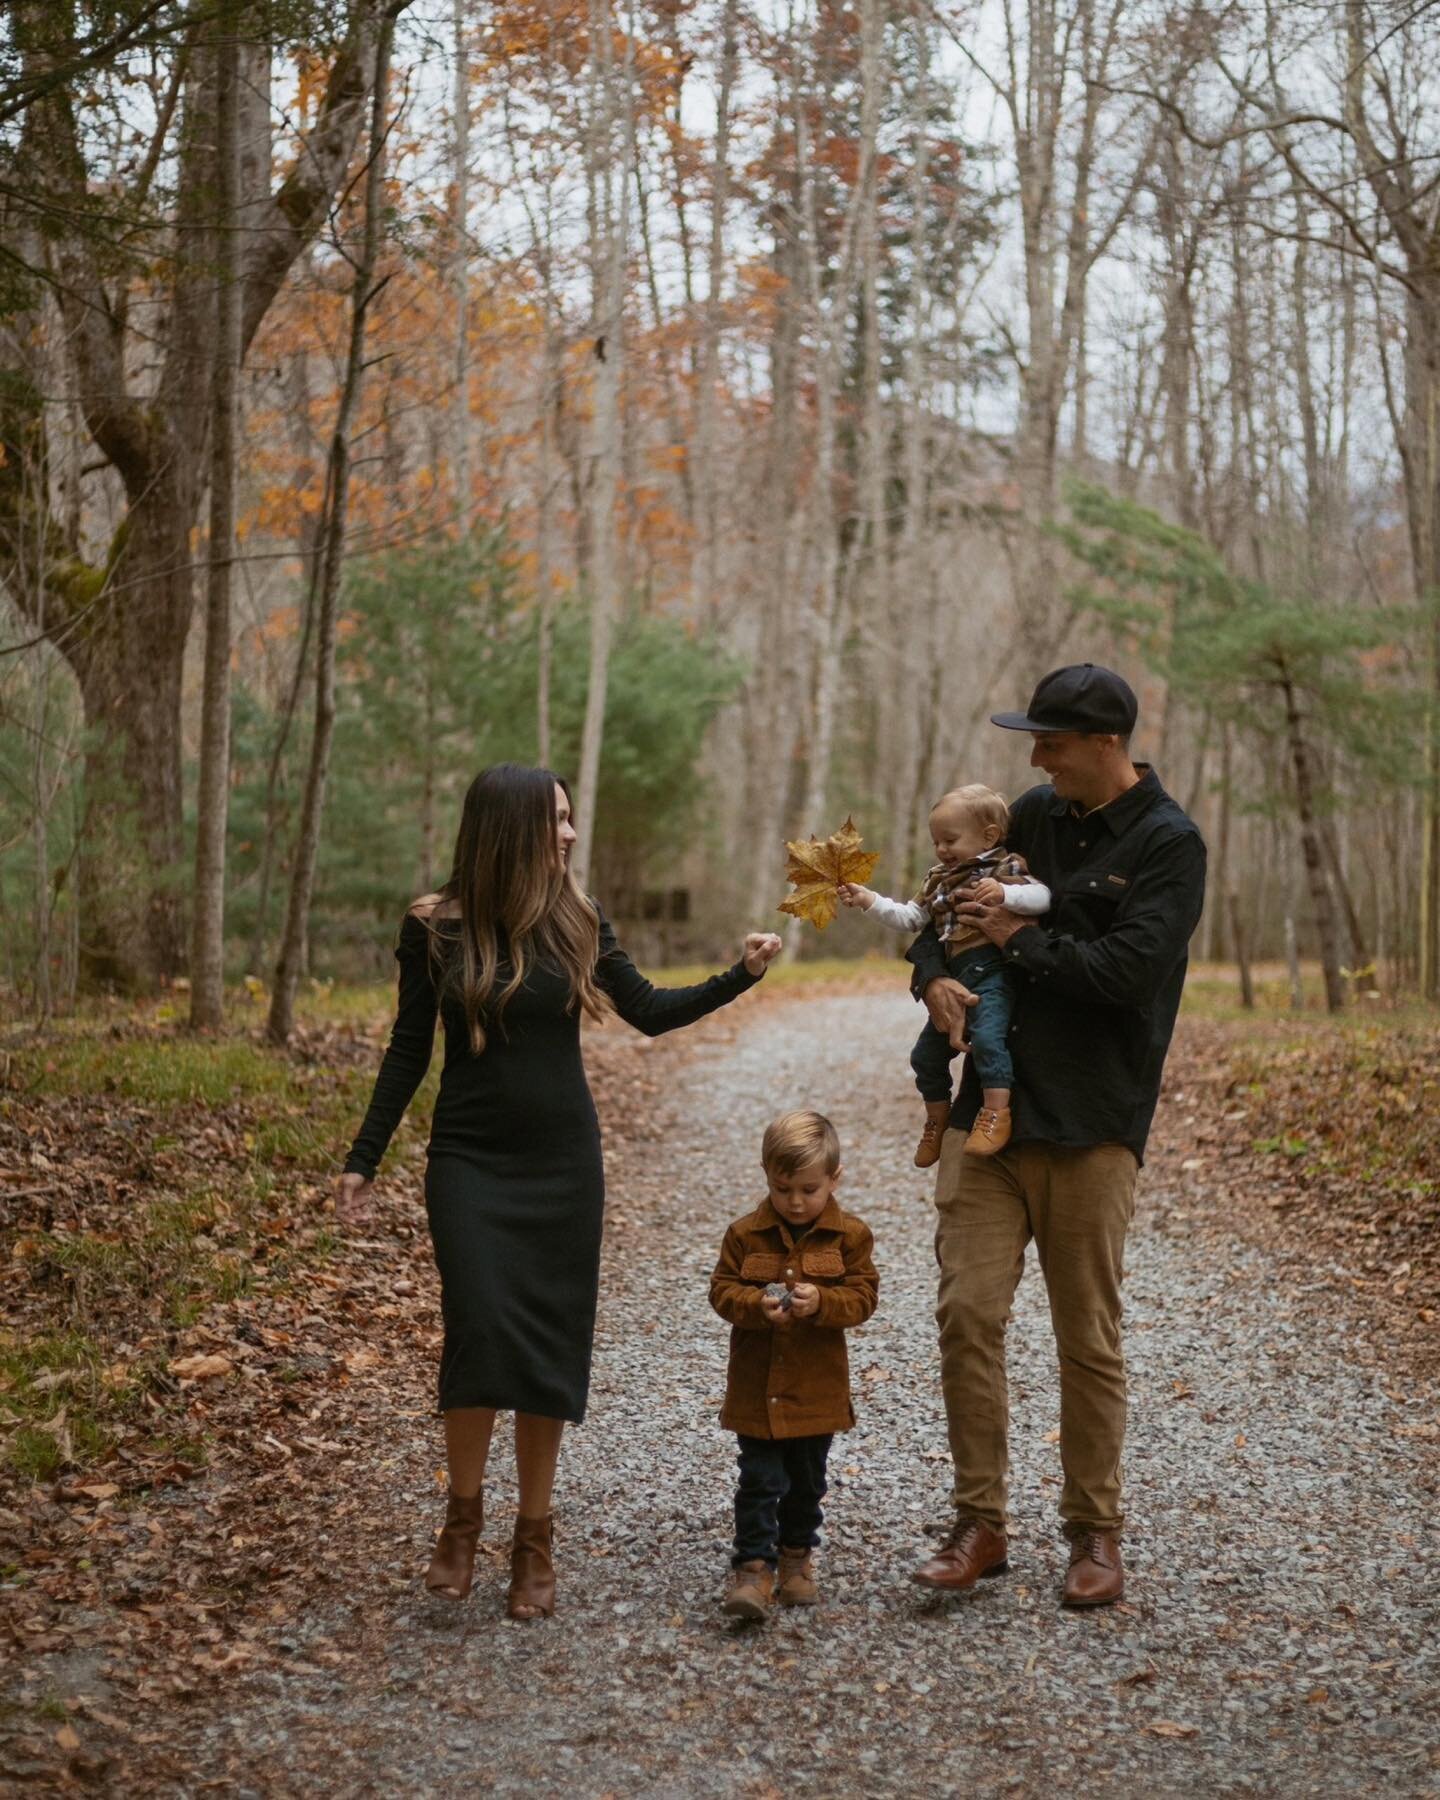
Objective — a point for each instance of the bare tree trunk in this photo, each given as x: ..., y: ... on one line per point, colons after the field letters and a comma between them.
x: 1320, y: 897
x: 1242, y: 952
x: 703, y: 559
x: 544, y: 580
x: 827, y: 324
x: 460, y: 273
x: 207, y: 943
x: 612, y: 222
x: 293, y: 950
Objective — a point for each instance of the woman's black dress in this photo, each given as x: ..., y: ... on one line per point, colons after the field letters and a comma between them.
x: 515, y: 1186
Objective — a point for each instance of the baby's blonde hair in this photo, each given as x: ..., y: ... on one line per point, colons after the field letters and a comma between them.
x: 980, y: 803
x: 796, y: 1140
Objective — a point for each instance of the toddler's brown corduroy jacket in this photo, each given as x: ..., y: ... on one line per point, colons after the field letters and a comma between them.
x: 792, y: 1380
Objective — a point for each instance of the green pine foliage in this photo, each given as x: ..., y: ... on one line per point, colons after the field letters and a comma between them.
x: 438, y: 675
x: 1232, y: 646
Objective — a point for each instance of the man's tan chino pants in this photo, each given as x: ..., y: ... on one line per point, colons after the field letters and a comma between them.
x: 1077, y: 1206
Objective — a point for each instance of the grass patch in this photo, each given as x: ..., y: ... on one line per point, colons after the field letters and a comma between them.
x: 51, y: 1401
x: 166, y: 1070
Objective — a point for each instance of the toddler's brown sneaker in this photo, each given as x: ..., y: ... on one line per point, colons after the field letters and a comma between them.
x: 990, y: 1132
x: 797, y: 1578
x: 937, y: 1120
x: 751, y: 1592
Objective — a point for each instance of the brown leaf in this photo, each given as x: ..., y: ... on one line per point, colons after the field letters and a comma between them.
x: 68, y: 1738
x: 201, y: 1368
x: 1171, y: 1728
x: 816, y: 868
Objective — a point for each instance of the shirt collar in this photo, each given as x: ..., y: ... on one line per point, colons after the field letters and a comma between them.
x: 828, y: 1219
x: 1118, y: 814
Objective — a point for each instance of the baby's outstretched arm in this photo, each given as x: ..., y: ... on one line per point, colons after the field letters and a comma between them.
x: 898, y: 915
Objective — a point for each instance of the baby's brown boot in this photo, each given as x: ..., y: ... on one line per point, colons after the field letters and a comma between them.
x: 990, y: 1132
x: 797, y: 1578
x: 751, y: 1592
x: 937, y: 1118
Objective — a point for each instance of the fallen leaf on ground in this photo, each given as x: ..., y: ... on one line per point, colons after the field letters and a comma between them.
x: 1171, y: 1728
x: 201, y: 1368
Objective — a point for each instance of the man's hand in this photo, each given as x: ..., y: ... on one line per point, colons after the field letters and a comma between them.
x: 946, y: 1000
x: 354, y: 1199
x: 804, y: 1300
x: 761, y: 948
x: 776, y: 1312
x: 853, y: 894
x: 997, y: 922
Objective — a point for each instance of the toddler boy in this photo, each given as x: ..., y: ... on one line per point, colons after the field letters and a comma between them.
x: 793, y: 1275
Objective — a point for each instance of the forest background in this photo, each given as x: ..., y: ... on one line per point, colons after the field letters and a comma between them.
x: 726, y: 404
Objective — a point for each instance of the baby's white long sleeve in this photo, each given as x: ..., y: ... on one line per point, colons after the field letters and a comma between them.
x: 1028, y: 898
x: 899, y: 915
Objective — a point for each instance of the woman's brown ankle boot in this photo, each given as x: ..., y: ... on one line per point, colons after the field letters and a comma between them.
x: 453, y: 1564
x: 532, y: 1573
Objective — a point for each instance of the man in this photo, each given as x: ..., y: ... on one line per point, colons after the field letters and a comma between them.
x: 1098, y: 983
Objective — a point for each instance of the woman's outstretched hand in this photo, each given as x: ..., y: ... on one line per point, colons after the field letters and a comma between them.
x: 354, y: 1199
x: 761, y: 947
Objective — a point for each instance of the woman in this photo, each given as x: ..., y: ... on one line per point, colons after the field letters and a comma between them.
x: 510, y: 953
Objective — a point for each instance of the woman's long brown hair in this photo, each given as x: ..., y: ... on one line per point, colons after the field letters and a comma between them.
x: 506, y: 877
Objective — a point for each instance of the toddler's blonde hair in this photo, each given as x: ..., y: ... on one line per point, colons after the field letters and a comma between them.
x: 796, y: 1140
x: 980, y: 803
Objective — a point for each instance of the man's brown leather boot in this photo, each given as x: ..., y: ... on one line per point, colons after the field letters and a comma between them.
x: 752, y: 1590
x: 797, y: 1578
x: 973, y: 1552
x: 453, y: 1564
x: 532, y: 1573
x: 1096, y: 1576
x: 937, y: 1121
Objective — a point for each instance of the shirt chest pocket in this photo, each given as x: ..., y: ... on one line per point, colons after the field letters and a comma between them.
x: 1089, y: 899
x: 763, y: 1266
x: 821, y: 1265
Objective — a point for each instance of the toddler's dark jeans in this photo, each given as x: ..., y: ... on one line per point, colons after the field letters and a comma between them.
x: 782, y: 1482
x: 983, y: 971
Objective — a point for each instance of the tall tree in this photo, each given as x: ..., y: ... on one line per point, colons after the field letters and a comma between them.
x: 289, y: 966
x: 207, y: 943
x: 137, y: 293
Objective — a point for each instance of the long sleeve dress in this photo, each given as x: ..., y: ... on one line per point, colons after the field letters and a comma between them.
x: 515, y: 1182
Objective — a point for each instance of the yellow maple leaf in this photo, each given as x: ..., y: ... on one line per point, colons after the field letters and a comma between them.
x: 816, y: 868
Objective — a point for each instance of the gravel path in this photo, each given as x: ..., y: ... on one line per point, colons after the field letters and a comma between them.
x: 1282, y: 1634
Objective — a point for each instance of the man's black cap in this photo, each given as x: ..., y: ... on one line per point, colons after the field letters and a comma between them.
x: 1082, y: 697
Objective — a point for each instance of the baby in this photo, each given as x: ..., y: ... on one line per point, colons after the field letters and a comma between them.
x: 967, y: 827
x: 792, y: 1276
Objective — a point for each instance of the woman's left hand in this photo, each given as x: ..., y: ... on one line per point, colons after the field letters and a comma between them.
x: 761, y: 947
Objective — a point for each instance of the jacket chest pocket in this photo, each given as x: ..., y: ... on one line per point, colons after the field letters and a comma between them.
x: 823, y: 1265
x: 763, y: 1266
x: 1090, y: 898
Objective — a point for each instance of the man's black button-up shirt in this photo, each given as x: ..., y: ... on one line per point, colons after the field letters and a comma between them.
x: 1098, y: 979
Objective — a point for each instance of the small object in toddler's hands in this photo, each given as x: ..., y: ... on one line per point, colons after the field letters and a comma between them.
x: 777, y: 1290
